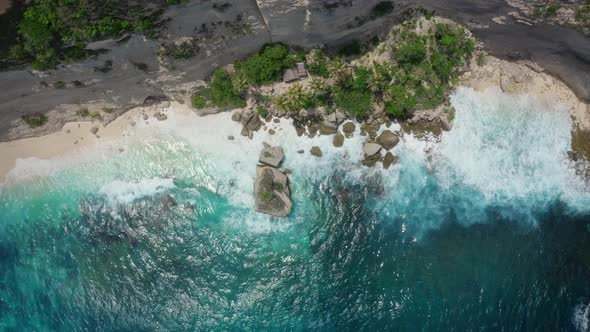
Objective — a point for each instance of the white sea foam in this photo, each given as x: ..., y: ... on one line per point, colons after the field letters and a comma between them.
x: 581, y: 317
x: 126, y: 192
x: 507, y: 147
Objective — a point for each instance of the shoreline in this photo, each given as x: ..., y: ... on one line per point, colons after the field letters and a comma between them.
x: 77, y: 136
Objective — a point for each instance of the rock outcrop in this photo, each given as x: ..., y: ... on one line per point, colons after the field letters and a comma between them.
x: 388, y: 139
x: 271, y: 187
x: 273, y: 195
x: 271, y: 156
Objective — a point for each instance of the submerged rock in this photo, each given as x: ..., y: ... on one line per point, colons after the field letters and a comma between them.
x: 273, y: 195
x: 388, y: 139
x: 271, y: 156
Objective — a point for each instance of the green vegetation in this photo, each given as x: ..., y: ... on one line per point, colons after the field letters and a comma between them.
x: 354, y: 103
x: 83, y: 112
x: 481, y: 59
x: 36, y: 120
x: 382, y: 8
x: 221, y: 92
x: 262, y: 111
x: 107, y: 110
x: 95, y: 115
x: 583, y: 15
x: 267, y: 66
x: 50, y: 31
x: 419, y: 75
x: 59, y: 85
x: 184, y: 50
x: 547, y: 11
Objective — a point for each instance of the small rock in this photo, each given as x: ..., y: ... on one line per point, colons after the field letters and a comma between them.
x: 388, y: 139
x: 132, y: 124
x: 300, y: 131
x: 145, y: 117
x: 315, y: 151
x: 287, y: 171
x: 236, y: 116
x: 338, y: 140
x: 244, y: 132
x: 276, y: 120
x: 301, y: 151
x: 161, y: 117
x: 231, y: 138
x: 68, y: 131
x: 445, y: 124
x: 94, y: 130
x: 121, y: 150
x: 271, y: 131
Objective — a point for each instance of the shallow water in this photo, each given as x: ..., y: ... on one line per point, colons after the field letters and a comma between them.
x: 487, y: 230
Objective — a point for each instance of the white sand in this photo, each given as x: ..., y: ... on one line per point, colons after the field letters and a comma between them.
x: 74, y: 137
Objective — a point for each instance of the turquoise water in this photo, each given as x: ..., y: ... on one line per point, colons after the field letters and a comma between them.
x: 488, y: 230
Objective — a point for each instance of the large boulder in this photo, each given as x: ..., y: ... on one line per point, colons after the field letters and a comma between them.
x: 273, y: 195
x: 389, y: 160
x: 371, y: 149
x: 271, y: 156
x: 328, y: 128
x: 349, y: 128
x: 388, y: 139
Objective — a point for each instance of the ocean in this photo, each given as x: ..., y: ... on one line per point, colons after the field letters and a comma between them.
x: 484, y: 229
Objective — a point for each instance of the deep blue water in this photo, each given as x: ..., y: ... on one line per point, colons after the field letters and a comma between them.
x: 487, y: 231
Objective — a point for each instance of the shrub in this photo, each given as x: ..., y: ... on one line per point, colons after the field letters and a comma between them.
x: 354, y: 103
x: 411, y: 52
x: 382, y: 8
x: 59, y: 85
x: 221, y: 93
x: 318, y: 66
x: 199, y: 99
x: 400, y: 101
x: 83, y: 112
x: 262, y: 111
x: 95, y: 115
x: 267, y: 66
x: 481, y: 59
x: 107, y: 110
x: 36, y: 120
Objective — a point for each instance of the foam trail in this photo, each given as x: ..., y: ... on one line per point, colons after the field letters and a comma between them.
x: 127, y: 192
x: 581, y: 317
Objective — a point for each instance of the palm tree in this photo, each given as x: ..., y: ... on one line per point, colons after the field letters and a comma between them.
x: 338, y: 69
x: 296, y: 97
x: 377, y: 82
x: 240, y: 83
x: 317, y: 86
x: 281, y: 103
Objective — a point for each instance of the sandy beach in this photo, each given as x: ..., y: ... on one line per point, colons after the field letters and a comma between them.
x: 75, y: 137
